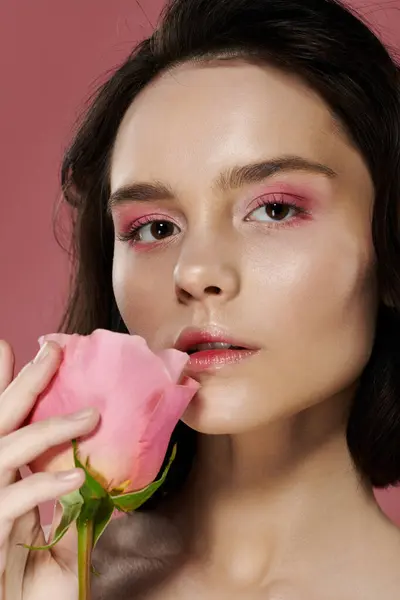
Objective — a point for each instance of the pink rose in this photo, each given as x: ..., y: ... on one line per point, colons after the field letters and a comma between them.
x: 140, y: 395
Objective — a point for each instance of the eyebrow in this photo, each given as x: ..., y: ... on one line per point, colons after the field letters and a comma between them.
x: 232, y: 178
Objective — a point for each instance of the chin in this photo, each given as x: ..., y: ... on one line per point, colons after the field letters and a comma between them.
x: 225, y: 409
x: 239, y: 405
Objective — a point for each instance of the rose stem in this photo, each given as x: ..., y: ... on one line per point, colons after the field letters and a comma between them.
x: 85, y: 545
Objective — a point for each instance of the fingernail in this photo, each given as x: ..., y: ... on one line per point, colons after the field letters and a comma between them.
x: 43, y: 352
x: 85, y: 413
x: 69, y: 475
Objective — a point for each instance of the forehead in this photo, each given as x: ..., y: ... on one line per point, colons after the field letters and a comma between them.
x: 197, y: 118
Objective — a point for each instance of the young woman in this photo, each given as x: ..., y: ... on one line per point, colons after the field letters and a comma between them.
x: 237, y: 182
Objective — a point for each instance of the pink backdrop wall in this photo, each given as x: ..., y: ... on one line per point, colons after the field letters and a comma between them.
x: 51, y: 56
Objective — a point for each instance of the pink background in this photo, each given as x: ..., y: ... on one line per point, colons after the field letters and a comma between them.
x: 52, y: 55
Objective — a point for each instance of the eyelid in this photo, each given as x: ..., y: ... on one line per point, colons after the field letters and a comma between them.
x: 127, y: 224
x: 134, y: 211
x: 284, y: 198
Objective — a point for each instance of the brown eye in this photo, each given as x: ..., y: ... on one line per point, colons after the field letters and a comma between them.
x: 277, y: 211
x: 161, y: 229
x: 273, y: 212
x: 156, y: 231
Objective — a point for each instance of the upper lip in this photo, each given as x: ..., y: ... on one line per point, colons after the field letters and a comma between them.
x: 192, y: 337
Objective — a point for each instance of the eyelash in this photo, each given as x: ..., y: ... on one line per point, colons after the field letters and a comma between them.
x: 260, y: 203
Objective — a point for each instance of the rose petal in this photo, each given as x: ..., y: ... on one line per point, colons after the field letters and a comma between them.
x: 174, y: 361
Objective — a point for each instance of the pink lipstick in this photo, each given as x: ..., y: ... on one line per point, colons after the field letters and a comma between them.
x: 212, y: 350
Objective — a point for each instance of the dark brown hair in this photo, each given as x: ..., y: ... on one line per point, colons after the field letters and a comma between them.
x: 338, y: 56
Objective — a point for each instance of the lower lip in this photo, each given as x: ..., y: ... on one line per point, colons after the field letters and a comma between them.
x: 207, y: 360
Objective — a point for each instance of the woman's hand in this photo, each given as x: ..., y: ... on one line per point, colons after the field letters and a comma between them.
x: 24, y: 574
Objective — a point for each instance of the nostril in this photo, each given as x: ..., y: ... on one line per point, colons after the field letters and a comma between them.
x: 213, y: 290
x: 184, y: 296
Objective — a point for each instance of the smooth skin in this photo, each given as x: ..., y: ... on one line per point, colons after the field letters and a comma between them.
x: 36, y: 575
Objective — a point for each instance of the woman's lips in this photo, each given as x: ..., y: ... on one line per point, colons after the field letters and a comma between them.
x: 212, y: 348
x: 214, y: 359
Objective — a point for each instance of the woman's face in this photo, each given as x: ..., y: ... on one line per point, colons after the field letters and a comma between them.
x: 252, y: 221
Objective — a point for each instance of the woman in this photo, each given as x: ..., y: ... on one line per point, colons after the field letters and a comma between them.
x: 236, y: 182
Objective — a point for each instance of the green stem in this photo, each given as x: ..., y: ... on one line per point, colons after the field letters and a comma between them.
x: 85, y: 546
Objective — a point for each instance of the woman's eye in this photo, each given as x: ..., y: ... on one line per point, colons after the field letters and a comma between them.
x: 155, y: 231
x: 273, y: 211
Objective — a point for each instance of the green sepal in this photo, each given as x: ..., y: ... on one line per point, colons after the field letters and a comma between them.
x: 103, y: 517
x: 132, y: 501
x: 72, y: 506
x: 98, y: 506
x: 91, y: 489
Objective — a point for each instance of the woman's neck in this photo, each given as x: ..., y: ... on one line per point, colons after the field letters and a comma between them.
x: 285, y: 495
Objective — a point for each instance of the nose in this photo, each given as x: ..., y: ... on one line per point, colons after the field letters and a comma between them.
x: 206, y: 272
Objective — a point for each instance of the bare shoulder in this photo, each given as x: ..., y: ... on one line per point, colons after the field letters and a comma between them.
x: 377, y: 568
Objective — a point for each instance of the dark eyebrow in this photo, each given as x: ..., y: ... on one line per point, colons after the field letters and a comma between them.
x: 139, y: 192
x: 257, y: 172
x: 232, y: 178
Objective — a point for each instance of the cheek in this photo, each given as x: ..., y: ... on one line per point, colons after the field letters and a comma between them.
x: 131, y: 286
x: 316, y: 287
x: 141, y: 291
x: 334, y: 323
x: 339, y: 283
